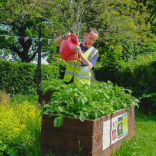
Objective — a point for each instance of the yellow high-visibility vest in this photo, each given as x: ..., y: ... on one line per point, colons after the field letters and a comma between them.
x: 80, y: 74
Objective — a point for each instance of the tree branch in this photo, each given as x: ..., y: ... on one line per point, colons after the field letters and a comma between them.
x: 66, y: 20
x: 16, y: 50
x: 86, y: 8
x: 33, y: 56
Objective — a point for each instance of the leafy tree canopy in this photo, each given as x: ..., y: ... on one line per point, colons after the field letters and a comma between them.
x: 122, y: 24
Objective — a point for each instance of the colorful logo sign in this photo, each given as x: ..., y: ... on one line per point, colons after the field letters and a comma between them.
x: 125, y: 124
x: 120, y: 127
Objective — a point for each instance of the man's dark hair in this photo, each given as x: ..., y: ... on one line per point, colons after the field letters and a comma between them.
x: 94, y: 30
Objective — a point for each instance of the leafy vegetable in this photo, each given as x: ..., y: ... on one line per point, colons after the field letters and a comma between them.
x: 87, y: 102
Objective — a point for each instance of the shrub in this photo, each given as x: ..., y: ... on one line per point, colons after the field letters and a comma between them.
x: 21, y: 78
x: 19, y: 128
x: 138, y: 74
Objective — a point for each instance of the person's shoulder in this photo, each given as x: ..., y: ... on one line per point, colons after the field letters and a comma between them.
x: 95, y: 49
x: 96, y: 54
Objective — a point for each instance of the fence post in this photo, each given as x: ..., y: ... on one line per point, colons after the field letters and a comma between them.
x: 39, y: 60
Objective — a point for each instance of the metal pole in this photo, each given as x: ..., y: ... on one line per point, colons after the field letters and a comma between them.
x: 39, y: 61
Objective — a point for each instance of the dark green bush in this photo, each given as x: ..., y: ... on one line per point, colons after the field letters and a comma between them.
x: 138, y: 75
x: 21, y: 78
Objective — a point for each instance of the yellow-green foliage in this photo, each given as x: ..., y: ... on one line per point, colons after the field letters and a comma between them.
x: 19, y: 126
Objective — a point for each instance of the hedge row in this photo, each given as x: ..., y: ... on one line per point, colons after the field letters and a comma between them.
x: 138, y: 75
x: 21, y: 78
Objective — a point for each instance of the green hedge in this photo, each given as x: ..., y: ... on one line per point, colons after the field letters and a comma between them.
x: 21, y: 78
x: 138, y: 75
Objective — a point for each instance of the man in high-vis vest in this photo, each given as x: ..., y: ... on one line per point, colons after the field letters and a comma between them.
x: 79, y: 72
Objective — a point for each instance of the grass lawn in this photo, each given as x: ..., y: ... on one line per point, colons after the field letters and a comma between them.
x: 144, y: 142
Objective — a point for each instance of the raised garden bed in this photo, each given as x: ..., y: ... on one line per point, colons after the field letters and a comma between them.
x: 44, y: 99
x: 99, y: 137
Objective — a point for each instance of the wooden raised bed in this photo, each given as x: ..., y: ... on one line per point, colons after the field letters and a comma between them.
x: 94, y: 137
x: 5, y: 99
x: 44, y: 99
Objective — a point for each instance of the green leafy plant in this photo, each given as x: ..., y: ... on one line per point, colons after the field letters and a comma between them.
x: 137, y: 74
x: 86, y: 102
x: 2, y: 91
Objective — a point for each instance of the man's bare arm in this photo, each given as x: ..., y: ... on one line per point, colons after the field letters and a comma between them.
x: 60, y: 39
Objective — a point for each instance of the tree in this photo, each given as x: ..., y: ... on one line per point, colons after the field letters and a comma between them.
x: 70, y: 15
x: 17, y: 20
x: 151, y: 9
x: 124, y: 30
x: 23, y: 18
x: 118, y: 21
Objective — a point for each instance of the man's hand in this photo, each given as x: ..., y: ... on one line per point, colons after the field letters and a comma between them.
x: 60, y: 39
x: 67, y: 35
x: 77, y: 49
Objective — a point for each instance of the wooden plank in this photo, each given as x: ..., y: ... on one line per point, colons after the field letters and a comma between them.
x: 62, y: 151
x: 117, y: 113
x: 132, y: 122
x: 98, y: 124
x: 109, y: 150
x: 132, y: 132
x: 132, y: 111
x: 129, y: 113
x: 46, y: 98
x: 89, y: 133
x: 72, y: 125
x: 116, y: 145
x: 100, y: 152
x: 71, y: 140
x: 112, y: 148
x: 88, y: 127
